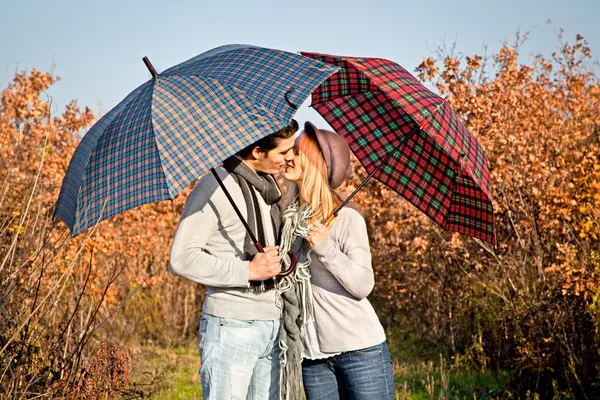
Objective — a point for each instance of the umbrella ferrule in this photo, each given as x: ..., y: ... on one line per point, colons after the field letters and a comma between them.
x: 150, y: 67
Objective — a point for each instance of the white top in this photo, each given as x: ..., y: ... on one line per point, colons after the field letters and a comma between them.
x: 312, y: 350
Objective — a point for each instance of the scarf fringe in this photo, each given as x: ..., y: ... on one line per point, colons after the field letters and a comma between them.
x: 294, y: 297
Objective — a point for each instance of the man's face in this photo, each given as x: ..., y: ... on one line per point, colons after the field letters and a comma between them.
x: 293, y: 170
x: 275, y: 160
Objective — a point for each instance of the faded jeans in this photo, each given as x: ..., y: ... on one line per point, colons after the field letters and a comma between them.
x: 239, y: 359
x: 364, y: 374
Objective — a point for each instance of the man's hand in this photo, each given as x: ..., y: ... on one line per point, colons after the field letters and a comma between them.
x: 265, y: 265
x: 317, y: 234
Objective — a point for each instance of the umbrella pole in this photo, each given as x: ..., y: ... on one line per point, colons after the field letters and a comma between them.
x: 257, y: 244
x: 334, y: 214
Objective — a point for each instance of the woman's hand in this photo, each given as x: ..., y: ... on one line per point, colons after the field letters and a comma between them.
x: 317, y: 234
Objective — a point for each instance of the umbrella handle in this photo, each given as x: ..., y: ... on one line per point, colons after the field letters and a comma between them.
x: 292, y: 267
x: 330, y: 219
x: 289, y: 91
x: 287, y: 272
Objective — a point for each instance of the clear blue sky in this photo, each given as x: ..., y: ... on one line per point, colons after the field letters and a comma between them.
x: 97, y: 46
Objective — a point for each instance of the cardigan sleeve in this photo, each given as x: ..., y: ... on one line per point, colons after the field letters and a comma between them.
x: 346, y: 253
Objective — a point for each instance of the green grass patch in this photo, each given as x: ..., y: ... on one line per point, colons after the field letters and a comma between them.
x: 428, y: 380
x: 161, y: 373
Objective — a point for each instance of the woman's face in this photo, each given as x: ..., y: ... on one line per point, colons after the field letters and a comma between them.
x: 293, y: 170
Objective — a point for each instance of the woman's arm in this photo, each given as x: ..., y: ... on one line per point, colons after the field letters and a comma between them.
x: 346, y: 254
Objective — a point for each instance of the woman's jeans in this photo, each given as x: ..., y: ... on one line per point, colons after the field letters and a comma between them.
x: 240, y: 359
x: 364, y: 374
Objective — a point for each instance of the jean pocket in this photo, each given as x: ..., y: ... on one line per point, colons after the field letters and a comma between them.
x: 370, y: 351
x: 235, y: 323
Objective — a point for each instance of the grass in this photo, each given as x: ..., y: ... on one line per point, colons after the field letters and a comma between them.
x: 173, y: 374
x: 165, y: 373
x: 427, y: 380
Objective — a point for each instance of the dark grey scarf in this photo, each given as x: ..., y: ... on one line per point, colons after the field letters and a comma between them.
x: 266, y: 185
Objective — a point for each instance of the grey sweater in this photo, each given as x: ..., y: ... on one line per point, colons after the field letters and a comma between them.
x: 208, y: 248
x: 341, y: 278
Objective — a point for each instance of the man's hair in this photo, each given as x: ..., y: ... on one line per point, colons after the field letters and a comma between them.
x: 268, y: 143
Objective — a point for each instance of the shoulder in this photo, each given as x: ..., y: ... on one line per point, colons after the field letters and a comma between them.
x: 207, y: 189
x: 351, y: 211
x: 350, y: 215
x: 209, y: 185
x: 350, y: 229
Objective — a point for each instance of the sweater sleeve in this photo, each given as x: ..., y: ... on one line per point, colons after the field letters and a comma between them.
x: 189, y: 258
x: 346, y: 254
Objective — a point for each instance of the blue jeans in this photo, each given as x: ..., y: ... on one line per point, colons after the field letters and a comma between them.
x: 240, y: 359
x: 364, y: 374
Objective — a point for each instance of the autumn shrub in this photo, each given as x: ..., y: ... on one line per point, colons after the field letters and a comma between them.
x: 531, y: 304
x: 61, y: 297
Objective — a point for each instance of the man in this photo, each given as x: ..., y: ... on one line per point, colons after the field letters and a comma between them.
x: 239, y: 328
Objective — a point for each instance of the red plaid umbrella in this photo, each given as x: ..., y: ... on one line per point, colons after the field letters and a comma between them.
x: 410, y: 139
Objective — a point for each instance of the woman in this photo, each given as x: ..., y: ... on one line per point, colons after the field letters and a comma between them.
x: 345, y: 350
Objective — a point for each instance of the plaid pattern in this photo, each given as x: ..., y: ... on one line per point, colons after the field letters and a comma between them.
x: 442, y: 170
x: 174, y: 128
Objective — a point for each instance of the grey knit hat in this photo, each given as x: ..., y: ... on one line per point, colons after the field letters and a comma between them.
x: 336, y: 153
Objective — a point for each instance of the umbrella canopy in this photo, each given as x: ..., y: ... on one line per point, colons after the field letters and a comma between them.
x: 411, y: 140
x: 181, y: 123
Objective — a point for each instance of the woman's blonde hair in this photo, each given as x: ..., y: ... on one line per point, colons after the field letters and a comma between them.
x: 314, y: 188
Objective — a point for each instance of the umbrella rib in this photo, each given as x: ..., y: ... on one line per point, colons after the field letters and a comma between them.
x: 346, y: 96
x: 364, y: 182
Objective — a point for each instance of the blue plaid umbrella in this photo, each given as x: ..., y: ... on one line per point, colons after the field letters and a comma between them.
x: 181, y: 123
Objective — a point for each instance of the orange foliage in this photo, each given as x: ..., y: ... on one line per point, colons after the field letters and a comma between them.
x: 540, y: 127
x: 57, y: 291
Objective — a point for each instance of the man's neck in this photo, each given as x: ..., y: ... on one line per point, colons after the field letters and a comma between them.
x: 250, y: 164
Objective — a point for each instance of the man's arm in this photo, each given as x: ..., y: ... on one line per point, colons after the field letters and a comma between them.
x: 189, y: 258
